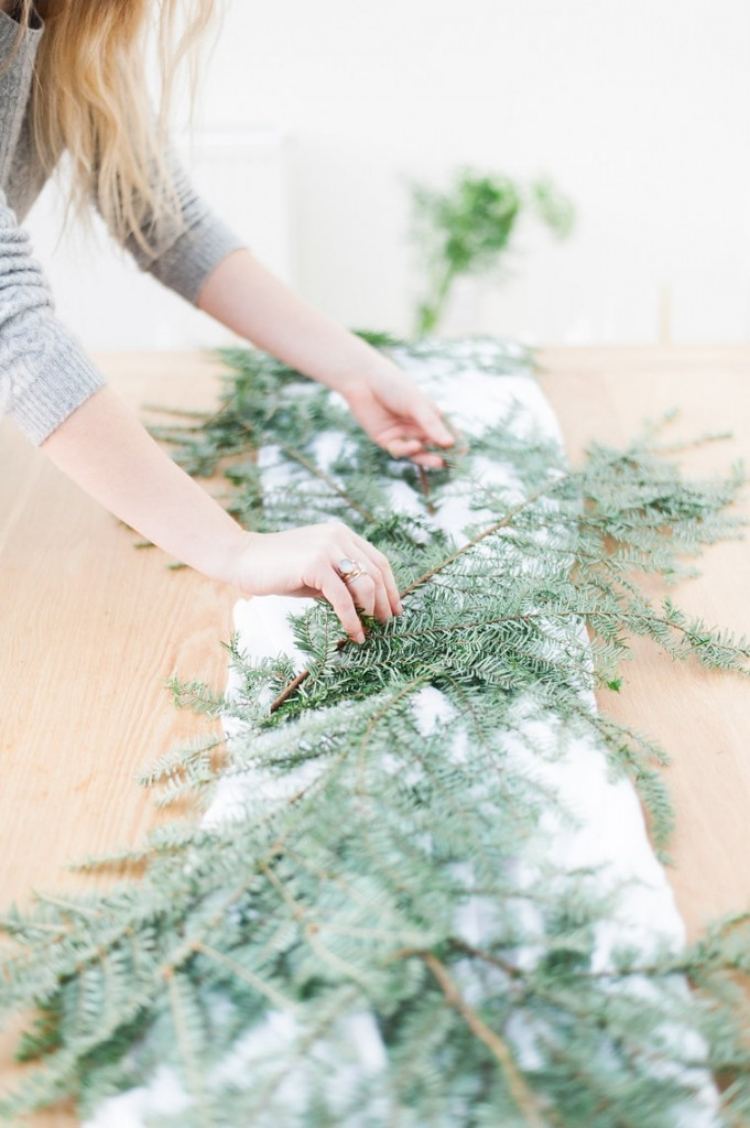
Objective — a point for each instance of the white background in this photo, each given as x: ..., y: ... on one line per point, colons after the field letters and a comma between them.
x: 640, y: 110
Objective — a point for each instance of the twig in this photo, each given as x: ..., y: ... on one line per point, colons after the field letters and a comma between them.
x: 424, y: 481
x: 311, y: 468
x: 241, y: 972
x: 488, y: 532
x: 521, y: 1093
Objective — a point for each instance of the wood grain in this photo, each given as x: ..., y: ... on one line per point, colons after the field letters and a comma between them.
x: 702, y: 719
x: 91, y: 630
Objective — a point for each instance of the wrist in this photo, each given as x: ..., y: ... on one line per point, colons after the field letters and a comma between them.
x: 241, y: 559
x: 223, y: 559
x: 360, y: 371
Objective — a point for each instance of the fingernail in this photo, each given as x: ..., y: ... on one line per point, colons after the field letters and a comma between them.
x: 360, y: 638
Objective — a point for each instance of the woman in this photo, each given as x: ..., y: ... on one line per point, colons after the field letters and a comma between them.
x: 71, y: 82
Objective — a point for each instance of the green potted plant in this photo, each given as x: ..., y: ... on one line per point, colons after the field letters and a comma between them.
x: 467, y: 229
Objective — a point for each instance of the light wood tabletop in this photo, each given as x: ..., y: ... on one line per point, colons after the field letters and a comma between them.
x: 92, y: 629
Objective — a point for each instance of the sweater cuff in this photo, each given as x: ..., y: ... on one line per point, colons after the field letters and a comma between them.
x: 186, y: 264
x: 46, y: 402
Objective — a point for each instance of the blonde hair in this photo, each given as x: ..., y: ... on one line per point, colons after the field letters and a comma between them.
x: 90, y: 100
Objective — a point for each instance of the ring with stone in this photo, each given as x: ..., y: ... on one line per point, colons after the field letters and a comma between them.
x: 350, y: 569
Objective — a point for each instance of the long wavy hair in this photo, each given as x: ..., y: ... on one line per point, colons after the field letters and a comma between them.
x: 90, y: 100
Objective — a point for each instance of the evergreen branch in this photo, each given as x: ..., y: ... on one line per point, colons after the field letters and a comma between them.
x: 519, y: 1090
x: 490, y: 531
x: 177, y: 987
x: 294, y: 684
x: 271, y: 993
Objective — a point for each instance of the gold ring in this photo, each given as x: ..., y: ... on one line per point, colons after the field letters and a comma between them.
x: 350, y: 569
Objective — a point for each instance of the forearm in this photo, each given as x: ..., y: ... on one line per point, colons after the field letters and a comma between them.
x: 107, y: 452
x: 246, y: 297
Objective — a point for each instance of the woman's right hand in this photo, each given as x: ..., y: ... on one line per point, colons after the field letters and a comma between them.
x: 304, y: 562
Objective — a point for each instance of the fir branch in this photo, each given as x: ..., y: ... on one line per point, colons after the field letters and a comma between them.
x: 522, y: 1095
x: 426, y: 577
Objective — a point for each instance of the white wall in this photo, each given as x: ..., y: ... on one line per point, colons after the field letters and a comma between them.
x: 640, y: 110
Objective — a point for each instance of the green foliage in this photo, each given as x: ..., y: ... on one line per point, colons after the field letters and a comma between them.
x: 555, y: 210
x: 467, y: 229
x: 338, y: 898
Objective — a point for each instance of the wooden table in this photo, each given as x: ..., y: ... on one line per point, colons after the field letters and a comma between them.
x: 91, y: 630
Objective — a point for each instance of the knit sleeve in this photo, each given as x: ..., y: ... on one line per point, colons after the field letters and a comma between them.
x: 44, y: 373
x: 185, y: 255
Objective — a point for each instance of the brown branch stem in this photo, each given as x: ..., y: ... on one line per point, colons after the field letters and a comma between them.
x: 524, y: 1098
x: 304, y: 461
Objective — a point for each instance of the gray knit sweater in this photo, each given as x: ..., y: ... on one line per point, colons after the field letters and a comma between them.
x: 44, y: 374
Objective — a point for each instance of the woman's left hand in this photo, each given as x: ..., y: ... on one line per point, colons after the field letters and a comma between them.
x: 397, y: 416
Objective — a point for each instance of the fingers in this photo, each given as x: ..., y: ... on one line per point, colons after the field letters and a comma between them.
x: 340, y: 598
x: 387, y: 598
x: 363, y: 592
x: 403, y: 447
x: 414, y: 449
x: 374, y: 591
x: 369, y: 591
x: 428, y: 460
x: 426, y: 426
x: 431, y: 422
